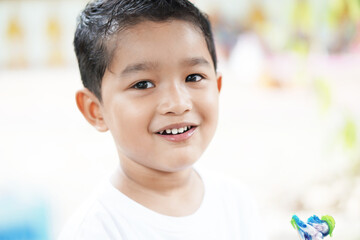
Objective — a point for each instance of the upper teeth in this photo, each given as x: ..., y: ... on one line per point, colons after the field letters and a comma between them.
x: 175, y: 130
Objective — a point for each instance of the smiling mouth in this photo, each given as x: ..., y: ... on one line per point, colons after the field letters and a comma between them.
x: 175, y: 131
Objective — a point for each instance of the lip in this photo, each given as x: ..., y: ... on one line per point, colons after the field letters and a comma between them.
x: 177, y: 125
x: 179, y: 137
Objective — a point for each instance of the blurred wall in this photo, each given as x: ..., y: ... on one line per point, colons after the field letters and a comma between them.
x: 289, y: 122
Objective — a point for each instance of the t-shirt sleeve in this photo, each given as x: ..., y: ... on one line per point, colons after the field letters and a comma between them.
x: 256, y: 226
x: 241, y: 209
x: 249, y: 213
x: 94, y: 224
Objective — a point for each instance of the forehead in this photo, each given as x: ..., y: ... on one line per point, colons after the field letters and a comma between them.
x: 162, y: 43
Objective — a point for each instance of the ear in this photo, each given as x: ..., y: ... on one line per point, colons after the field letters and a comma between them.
x: 89, y: 106
x: 219, y: 81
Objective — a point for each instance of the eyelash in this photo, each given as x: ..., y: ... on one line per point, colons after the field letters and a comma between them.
x: 194, y: 75
x: 140, y: 85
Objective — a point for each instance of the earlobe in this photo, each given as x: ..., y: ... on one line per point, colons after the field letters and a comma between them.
x: 219, y: 82
x: 89, y: 106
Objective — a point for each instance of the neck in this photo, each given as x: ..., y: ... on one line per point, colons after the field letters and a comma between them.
x: 170, y: 193
x: 155, y: 181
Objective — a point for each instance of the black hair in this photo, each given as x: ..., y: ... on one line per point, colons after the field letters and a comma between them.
x: 102, y: 19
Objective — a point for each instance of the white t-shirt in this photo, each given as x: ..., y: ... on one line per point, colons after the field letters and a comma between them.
x: 226, y: 212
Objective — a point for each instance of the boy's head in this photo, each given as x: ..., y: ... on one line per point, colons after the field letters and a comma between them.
x: 149, y: 73
x: 102, y: 22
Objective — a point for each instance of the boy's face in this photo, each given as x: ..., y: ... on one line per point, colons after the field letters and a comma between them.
x: 161, y: 78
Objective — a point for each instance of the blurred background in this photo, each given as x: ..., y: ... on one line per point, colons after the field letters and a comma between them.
x: 289, y: 122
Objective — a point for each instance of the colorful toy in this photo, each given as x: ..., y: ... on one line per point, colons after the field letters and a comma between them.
x: 315, y: 228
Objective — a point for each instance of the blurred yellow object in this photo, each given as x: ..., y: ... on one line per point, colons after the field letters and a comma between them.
x: 324, y: 93
x: 302, y: 25
x: 343, y: 10
x: 14, y: 29
x: 349, y: 133
x: 302, y: 16
x: 257, y: 18
x: 54, y: 33
x: 16, y: 38
x: 53, y: 29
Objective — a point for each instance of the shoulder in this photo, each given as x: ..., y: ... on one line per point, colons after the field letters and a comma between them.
x: 91, y: 221
x: 228, y: 186
x: 238, y: 201
x: 230, y: 192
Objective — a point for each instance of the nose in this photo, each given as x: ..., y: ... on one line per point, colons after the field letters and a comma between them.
x: 175, y: 100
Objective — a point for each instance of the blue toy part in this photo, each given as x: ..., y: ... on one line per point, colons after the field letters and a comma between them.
x: 314, y: 219
x: 301, y: 227
x: 314, y: 229
x: 319, y: 225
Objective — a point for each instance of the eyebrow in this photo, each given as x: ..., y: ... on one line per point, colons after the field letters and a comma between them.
x: 196, y: 61
x: 146, y: 66
x: 138, y: 67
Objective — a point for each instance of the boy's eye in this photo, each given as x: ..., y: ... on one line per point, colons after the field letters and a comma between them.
x: 193, y: 78
x: 143, y: 85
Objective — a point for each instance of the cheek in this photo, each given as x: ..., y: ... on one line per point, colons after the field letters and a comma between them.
x: 209, y: 104
x: 129, y: 121
x: 207, y: 107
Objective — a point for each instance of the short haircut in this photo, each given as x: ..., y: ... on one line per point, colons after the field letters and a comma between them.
x: 101, y: 20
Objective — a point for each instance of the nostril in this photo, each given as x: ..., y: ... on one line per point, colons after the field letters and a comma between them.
x: 175, y: 101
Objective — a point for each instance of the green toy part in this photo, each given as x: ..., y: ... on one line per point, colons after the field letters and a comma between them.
x: 330, y: 222
x: 293, y: 223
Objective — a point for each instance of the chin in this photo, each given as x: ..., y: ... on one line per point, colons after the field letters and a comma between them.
x: 179, y: 163
x: 176, y: 169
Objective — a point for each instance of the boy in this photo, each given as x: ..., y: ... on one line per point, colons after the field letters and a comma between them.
x: 149, y: 72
